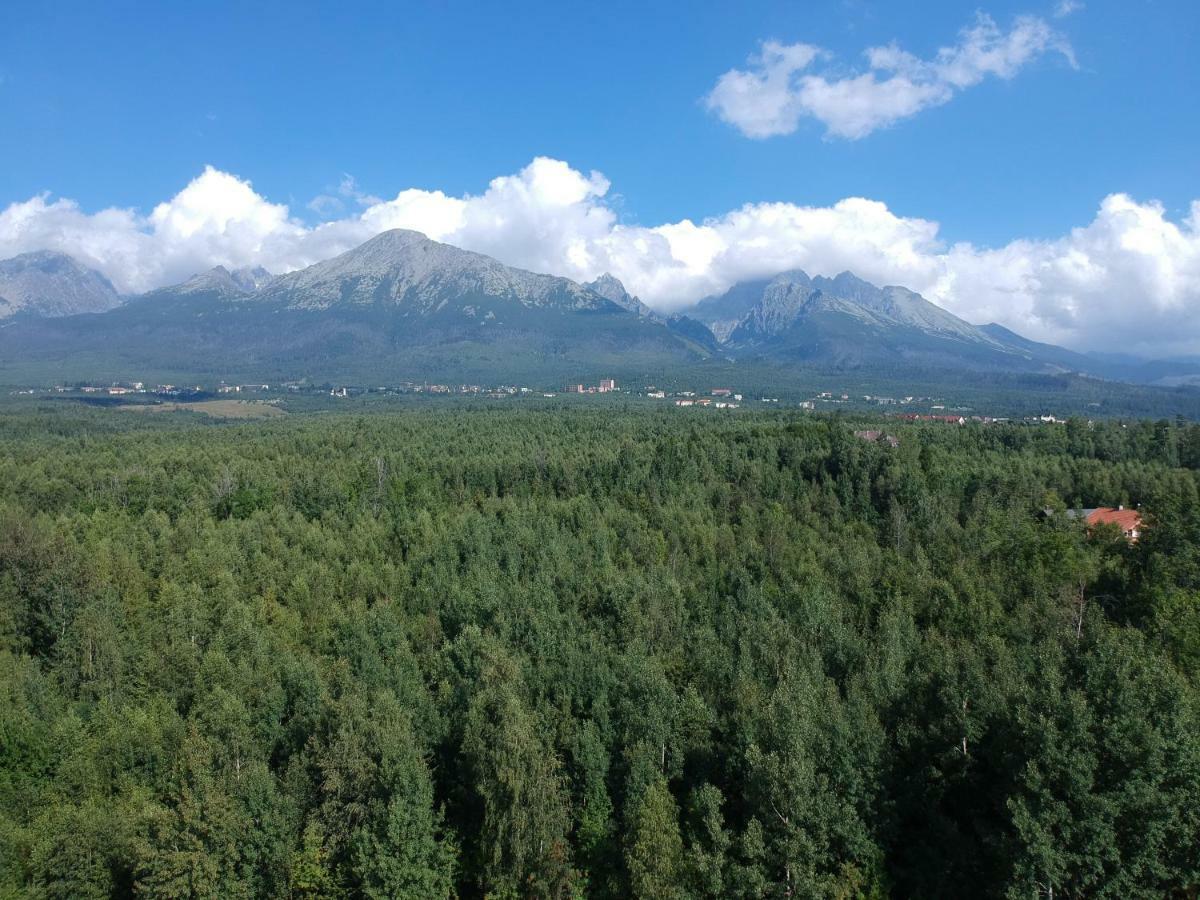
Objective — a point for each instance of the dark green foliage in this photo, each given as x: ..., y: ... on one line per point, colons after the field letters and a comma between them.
x: 590, y: 653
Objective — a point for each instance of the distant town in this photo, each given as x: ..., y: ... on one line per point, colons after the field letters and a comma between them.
x: 907, y: 408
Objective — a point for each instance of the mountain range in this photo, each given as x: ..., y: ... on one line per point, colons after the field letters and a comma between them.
x: 401, y: 305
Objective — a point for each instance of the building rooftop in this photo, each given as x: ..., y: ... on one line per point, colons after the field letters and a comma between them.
x: 1125, y: 519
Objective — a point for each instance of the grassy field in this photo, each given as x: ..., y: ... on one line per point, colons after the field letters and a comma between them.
x: 221, y: 409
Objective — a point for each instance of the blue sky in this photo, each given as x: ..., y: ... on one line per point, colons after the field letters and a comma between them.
x: 122, y: 105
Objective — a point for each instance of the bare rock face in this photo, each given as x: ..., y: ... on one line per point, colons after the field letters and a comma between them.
x: 49, y: 284
x: 610, y: 288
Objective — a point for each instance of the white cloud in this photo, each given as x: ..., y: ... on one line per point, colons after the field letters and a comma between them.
x: 780, y: 90
x: 1129, y: 279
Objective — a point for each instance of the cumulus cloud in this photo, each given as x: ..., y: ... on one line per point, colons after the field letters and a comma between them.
x: 1129, y: 279
x: 779, y: 90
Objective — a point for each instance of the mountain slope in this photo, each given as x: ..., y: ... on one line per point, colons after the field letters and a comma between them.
x: 846, y: 321
x: 53, y: 284
x: 1068, y: 360
x: 1113, y: 366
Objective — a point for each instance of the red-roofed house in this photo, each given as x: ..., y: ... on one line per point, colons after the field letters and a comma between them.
x: 1128, y: 520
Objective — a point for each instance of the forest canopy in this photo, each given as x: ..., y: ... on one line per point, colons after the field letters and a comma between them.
x: 596, y: 653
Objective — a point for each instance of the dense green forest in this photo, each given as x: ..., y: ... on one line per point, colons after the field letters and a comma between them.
x: 595, y: 653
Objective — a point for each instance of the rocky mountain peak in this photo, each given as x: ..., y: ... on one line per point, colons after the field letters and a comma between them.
x: 224, y: 282
x: 50, y: 284
x: 251, y: 278
x: 610, y: 288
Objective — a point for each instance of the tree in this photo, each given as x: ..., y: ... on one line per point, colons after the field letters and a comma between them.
x: 311, y: 875
x: 655, y: 853
x: 401, y: 851
x: 523, y: 836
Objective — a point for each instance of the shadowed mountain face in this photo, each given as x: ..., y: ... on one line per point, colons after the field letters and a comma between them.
x: 398, y: 305
x: 722, y: 313
x: 53, y: 284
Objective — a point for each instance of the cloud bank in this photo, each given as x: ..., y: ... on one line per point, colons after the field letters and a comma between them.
x: 779, y: 90
x: 1127, y: 280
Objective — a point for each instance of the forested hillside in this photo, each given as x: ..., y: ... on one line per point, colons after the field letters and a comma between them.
x: 594, y: 653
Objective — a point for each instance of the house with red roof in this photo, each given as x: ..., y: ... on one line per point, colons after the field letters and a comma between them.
x: 1128, y: 520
